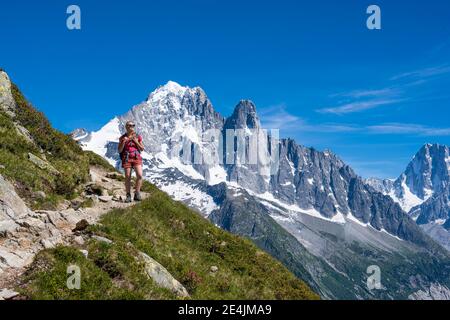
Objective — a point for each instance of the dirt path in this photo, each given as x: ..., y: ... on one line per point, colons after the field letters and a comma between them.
x: 43, y: 229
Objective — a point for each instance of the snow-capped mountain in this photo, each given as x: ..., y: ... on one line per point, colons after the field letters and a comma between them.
x: 423, y: 191
x: 295, y: 202
x: 427, y: 174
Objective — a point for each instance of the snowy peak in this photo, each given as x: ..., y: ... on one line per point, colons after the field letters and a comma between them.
x: 426, y: 175
x: 170, y: 88
x: 428, y: 172
x: 244, y: 116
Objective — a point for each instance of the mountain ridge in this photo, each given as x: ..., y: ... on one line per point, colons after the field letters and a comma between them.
x: 310, y: 189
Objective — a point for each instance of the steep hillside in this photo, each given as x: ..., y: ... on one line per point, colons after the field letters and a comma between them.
x: 209, y: 262
x: 45, y: 165
x: 158, y: 249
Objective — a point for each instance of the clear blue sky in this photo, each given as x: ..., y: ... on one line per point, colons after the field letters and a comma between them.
x: 312, y: 67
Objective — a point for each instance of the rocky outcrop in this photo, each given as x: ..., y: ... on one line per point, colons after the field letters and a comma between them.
x: 162, y: 277
x: 12, y: 208
x: 7, y: 102
x: 23, y: 232
x: 44, y: 165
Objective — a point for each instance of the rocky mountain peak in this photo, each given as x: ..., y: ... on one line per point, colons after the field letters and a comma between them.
x: 244, y: 116
x: 428, y: 172
x: 170, y: 87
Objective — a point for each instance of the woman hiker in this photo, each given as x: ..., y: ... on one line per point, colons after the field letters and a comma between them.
x: 130, y: 147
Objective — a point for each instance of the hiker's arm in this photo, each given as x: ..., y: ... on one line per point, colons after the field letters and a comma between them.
x: 121, y: 144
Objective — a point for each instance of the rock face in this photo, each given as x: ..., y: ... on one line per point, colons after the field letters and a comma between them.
x: 162, y: 277
x: 423, y: 190
x: 7, y: 102
x: 427, y: 174
x: 12, y: 207
x: 291, y: 212
x: 435, y: 209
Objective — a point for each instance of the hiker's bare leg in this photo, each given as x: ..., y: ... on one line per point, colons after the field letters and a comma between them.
x: 138, y: 171
x: 128, y: 180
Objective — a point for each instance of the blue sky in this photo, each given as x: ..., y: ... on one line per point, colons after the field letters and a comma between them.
x: 312, y: 67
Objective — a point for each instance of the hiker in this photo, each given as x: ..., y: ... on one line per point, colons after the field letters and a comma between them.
x: 130, y: 148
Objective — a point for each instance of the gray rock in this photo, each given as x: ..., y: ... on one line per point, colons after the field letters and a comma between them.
x: 102, y: 239
x: 42, y: 164
x: 7, y: 102
x: 162, y: 277
x: 7, y: 294
x: 22, y: 131
x: 78, y: 240
x: 214, y: 269
x: 11, y: 205
x: 85, y: 253
x: 105, y: 198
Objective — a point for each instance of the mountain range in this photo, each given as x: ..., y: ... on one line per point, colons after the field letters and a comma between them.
x: 423, y: 191
x: 62, y: 209
x: 305, y: 207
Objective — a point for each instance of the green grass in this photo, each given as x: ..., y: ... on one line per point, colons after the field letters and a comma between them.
x: 96, y: 160
x: 60, y: 150
x: 111, y: 272
x: 183, y: 242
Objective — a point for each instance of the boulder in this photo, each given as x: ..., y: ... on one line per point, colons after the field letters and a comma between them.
x: 22, y: 131
x: 162, y: 277
x: 7, y: 294
x: 214, y: 269
x: 102, y: 239
x: 11, y: 205
x: 85, y: 253
x: 42, y: 164
x: 7, y: 102
x: 78, y: 240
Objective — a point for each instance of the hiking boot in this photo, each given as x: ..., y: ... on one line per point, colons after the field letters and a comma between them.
x: 137, y: 196
x: 128, y: 199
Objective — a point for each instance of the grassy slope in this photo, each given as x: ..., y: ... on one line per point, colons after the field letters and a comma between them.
x: 182, y: 241
x: 57, y: 148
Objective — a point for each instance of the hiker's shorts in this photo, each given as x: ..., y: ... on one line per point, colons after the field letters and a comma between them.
x: 132, y: 162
